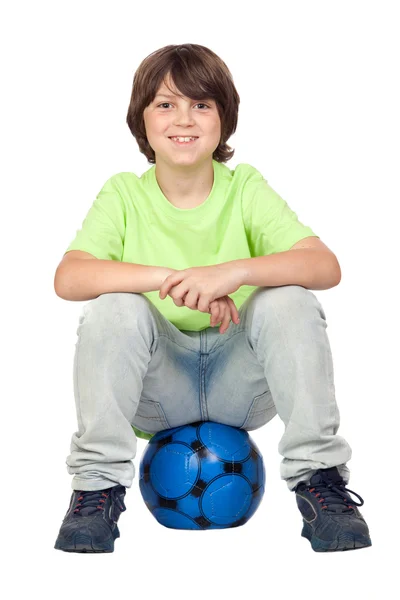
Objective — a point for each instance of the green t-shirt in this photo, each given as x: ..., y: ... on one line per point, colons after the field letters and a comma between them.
x: 132, y: 221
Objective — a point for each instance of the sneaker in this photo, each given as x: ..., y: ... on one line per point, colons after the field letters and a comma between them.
x: 331, y: 520
x: 90, y: 524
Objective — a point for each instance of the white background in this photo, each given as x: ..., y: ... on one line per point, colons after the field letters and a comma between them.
x: 319, y: 117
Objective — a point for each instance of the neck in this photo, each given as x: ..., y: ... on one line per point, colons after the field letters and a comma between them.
x: 185, y: 187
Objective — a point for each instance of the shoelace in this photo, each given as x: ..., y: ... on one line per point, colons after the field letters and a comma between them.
x: 334, y: 497
x: 91, y: 501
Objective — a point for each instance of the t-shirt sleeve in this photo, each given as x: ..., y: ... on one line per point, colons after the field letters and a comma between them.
x: 271, y: 225
x: 103, y: 229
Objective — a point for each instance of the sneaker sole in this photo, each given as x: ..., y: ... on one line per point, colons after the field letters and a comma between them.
x: 346, y: 541
x: 84, y: 544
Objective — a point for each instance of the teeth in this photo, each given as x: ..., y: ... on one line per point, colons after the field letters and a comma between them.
x: 183, y: 139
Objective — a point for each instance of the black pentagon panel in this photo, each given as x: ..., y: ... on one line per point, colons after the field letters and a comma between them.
x: 239, y: 522
x: 233, y: 468
x: 196, y: 492
x: 201, y: 484
x: 254, y: 454
x: 203, y: 522
x: 203, y: 452
x: 198, y: 489
x: 196, y: 445
x: 167, y: 503
x: 166, y: 440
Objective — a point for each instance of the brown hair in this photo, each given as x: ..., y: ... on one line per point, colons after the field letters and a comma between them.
x: 198, y: 73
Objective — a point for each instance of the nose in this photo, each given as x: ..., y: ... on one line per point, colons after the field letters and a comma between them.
x: 184, y: 117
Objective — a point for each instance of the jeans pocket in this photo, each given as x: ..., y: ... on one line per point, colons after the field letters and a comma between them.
x: 150, y: 416
x: 261, y: 410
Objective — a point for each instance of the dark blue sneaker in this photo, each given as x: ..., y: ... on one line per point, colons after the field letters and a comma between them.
x: 90, y: 524
x: 330, y: 517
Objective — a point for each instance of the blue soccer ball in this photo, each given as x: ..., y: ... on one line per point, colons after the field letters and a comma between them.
x: 202, y: 476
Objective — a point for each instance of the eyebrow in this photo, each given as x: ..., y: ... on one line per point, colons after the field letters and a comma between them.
x: 165, y: 96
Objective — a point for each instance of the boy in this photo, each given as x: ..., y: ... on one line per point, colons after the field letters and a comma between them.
x: 157, y: 255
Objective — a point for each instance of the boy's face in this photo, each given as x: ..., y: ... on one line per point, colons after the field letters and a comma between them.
x: 171, y: 116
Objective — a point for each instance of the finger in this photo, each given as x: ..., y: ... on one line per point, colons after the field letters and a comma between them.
x: 179, y: 302
x: 164, y: 289
x: 179, y: 292
x: 234, y: 310
x: 225, y: 319
x: 190, y: 299
x: 214, y: 313
x: 212, y: 310
x: 170, y: 282
x: 222, y: 307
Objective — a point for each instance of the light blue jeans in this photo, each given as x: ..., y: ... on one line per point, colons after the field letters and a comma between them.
x: 134, y: 367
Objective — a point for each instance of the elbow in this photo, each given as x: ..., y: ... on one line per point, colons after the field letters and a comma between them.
x: 337, y: 274
x: 59, y: 285
x: 59, y: 292
x: 331, y: 272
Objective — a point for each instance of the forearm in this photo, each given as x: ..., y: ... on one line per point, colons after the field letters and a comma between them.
x: 85, y: 279
x: 311, y: 268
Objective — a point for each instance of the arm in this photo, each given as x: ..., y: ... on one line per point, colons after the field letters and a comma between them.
x: 87, y: 277
x: 308, y: 263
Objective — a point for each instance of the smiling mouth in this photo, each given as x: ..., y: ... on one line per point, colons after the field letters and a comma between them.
x: 189, y: 143
x: 183, y: 137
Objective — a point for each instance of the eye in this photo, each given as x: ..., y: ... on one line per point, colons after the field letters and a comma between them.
x: 167, y: 103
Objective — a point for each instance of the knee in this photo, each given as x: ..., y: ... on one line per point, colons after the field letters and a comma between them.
x: 287, y: 299
x: 115, y: 308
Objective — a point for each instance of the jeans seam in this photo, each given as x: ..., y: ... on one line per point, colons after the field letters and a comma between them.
x: 177, y: 344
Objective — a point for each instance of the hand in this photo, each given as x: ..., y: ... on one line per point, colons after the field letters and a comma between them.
x: 222, y: 311
x: 197, y: 287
